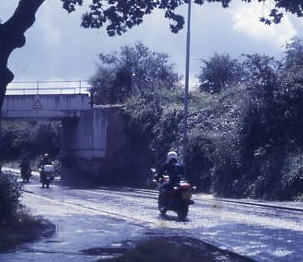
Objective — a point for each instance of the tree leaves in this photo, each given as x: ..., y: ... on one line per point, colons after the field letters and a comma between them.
x: 135, y: 69
x: 70, y: 5
x: 219, y: 73
x: 117, y: 16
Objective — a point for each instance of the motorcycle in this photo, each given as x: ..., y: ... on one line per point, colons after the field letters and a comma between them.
x: 47, y: 175
x: 57, y: 167
x: 26, y: 174
x: 176, y: 198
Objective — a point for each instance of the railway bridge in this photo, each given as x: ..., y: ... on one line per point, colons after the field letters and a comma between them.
x: 90, y: 135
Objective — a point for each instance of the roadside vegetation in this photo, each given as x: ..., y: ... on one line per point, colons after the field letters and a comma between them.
x: 17, y: 226
x: 23, y: 140
x: 244, y: 126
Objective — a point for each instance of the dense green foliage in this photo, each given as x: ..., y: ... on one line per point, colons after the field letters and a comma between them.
x: 29, y: 139
x: 219, y: 72
x: 9, y: 195
x: 132, y: 70
x: 245, y: 141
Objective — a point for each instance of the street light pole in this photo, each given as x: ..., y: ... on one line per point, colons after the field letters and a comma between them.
x: 185, y: 113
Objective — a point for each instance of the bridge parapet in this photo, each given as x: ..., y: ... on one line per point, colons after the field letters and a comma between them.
x: 48, y: 87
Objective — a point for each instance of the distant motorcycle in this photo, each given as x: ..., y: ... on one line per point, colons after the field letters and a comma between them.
x: 177, y: 198
x: 47, y: 175
x: 26, y: 174
x: 57, y: 167
x: 151, y: 181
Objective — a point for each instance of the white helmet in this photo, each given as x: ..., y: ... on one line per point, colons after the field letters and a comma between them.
x: 171, y: 155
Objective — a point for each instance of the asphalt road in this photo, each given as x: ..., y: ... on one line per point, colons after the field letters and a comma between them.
x: 110, y: 217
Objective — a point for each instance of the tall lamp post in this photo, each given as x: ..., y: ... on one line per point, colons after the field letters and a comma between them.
x: 185, y: 113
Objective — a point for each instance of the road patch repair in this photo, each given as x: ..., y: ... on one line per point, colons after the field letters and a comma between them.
x: 164, y: 249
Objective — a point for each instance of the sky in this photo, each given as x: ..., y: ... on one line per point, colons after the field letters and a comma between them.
x: 57, y: 48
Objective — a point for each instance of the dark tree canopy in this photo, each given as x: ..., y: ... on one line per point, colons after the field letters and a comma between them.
x: 132, y: 70
x: 120, y: 15
x: 219, y: 73
x: 294, y: 54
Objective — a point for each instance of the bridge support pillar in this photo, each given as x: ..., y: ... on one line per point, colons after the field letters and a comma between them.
x: 91, y: 143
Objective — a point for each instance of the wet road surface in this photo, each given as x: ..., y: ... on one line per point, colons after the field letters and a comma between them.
x: 105, y: 217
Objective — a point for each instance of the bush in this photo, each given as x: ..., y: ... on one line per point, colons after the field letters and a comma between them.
x: 10, y: 193
x: 22, y: 228
x: 290, y: 182
x: 148, y: 123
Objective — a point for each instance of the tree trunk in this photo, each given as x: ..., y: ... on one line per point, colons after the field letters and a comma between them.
x: 12, y: 37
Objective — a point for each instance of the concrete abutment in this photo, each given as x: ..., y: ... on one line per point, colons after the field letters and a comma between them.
x: 94, y: 146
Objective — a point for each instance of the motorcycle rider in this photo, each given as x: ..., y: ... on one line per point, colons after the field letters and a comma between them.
x: 173, y: 169
x: 45, y: 160
x: 25, y: 169
x: 42, y: 162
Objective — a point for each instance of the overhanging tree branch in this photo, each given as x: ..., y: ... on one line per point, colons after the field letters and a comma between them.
x: 12, y: 37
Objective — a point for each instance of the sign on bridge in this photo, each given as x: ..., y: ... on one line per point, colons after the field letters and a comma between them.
x: 37, y: 103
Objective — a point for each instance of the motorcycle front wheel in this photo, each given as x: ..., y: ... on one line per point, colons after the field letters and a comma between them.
x: 161, y: 205
x: 182, y: 211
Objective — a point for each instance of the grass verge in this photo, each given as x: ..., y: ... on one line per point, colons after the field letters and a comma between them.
x: 22, y: 228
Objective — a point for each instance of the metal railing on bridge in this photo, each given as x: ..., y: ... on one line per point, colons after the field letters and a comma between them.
x: 48, y: 87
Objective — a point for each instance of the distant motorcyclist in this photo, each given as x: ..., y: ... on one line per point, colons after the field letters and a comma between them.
x: 45, y: 160
x: 25, y: 169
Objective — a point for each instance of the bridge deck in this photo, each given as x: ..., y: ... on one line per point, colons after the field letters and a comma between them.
x: 44, y: 106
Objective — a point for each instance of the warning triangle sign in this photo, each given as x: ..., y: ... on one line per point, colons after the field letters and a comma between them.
x: 37, y: 103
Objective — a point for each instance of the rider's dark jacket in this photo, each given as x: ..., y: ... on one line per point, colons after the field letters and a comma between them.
x: 24, y: 165
x: 174, y: 170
